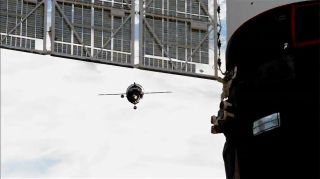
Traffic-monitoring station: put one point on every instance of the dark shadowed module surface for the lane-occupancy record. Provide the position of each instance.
(277, 55)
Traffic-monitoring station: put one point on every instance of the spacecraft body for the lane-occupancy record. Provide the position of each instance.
(270, 113)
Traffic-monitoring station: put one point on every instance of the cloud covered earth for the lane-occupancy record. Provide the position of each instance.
(54, 125)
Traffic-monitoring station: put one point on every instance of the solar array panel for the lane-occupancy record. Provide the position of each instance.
(173, 36)
(176, 36)
(22, 25)
(98, 31)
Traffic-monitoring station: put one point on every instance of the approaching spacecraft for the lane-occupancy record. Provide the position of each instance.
(135, 93)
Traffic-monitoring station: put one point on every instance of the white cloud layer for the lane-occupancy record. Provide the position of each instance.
(53, 123)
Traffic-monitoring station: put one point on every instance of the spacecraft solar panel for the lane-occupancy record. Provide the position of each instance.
(176, 37)
(22, 25)
(97, 31)
(171, 36)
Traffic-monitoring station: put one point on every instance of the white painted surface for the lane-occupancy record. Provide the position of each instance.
(240, 11)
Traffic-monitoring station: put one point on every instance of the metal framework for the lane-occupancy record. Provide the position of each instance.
(22, 25)
(173, 36)
(176, 36)
(98, 31)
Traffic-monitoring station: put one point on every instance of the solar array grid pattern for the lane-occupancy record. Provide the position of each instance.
(171, 22)
(102, 31)
(95, 25)
(23, 37)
